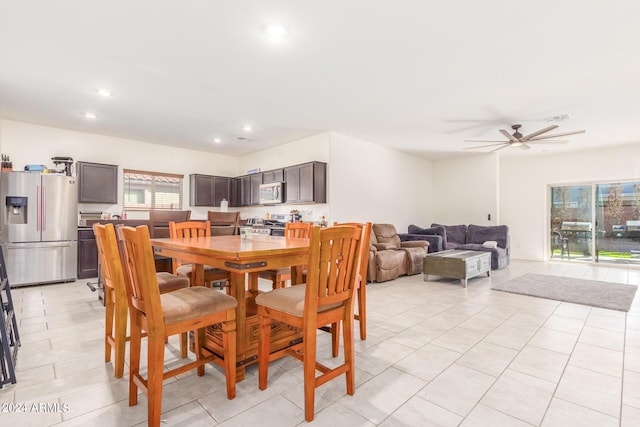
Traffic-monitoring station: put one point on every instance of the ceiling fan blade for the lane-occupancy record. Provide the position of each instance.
(545, 141)
(485, 140)
(539, 132)
(483, 146)
(558, 134)
(509, 136)
(499, 148)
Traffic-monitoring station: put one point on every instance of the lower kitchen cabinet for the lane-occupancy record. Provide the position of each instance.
(87, 254)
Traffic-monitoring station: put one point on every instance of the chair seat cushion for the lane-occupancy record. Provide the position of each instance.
(288, 300)
(168, 282)
(193, 302)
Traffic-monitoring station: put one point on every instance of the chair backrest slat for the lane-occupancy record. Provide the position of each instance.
(111, 261)
(189, 229)
(224, 223)
(297, 229)
(366, 242)
(140, 267)
(333, 265)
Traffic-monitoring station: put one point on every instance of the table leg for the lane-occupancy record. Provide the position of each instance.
(253, 283)
(464, 283)
(237, 287)
(197, 275)
(296, 274)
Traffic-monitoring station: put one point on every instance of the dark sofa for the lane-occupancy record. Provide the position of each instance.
(467, 237)
(436, 236)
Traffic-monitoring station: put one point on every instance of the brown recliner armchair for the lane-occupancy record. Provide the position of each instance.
(389, 257)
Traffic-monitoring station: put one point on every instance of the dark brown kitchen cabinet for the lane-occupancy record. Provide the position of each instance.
(87, 254)
(236, 197)
(249, 194)
(208, 190)
(306, 183)
(97, 183)
(221, 190)
(245, 190)
(256, 181)
(276, 175)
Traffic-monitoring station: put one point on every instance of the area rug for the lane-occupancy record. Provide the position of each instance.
(615, 296)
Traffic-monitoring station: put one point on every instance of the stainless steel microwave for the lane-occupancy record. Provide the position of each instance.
(271, 193)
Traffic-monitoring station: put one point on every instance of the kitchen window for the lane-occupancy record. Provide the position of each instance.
(144, 190)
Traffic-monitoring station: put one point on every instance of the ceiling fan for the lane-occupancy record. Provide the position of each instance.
(519, 140)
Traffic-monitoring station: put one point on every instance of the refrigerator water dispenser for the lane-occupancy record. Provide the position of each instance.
(16, 209)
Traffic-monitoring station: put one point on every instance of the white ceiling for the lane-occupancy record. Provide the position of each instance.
(414, 75)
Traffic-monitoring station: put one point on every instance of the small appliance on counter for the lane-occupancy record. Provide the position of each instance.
(88, 216)
(7, 165)
(67, 163)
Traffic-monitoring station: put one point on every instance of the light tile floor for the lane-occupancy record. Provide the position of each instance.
(436, 354)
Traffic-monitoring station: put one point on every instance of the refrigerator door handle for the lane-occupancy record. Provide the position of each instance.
(38, 208)
(44, 209)
(35, 245)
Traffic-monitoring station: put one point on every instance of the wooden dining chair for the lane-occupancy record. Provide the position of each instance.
(361, 293)
(161, 316)
(159, 228)
(116, 300)
(326, 299)
(279, 276)
(195, 229)
(224, 223)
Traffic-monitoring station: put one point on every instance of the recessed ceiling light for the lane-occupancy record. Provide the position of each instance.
(103, 92)
(90, 115)
(217, 140)
(247, 128)
(276, 32)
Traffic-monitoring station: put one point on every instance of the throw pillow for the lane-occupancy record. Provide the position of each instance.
(490, 244)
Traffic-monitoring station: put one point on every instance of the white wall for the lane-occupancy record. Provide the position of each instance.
(466, 191)
(33, 144)
(524, 183)
(371, 183)
(304, 150)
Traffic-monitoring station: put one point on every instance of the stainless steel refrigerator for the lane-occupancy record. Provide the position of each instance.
(39, 216)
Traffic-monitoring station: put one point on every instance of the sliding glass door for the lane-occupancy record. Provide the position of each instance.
(598, 222)
(618, 217)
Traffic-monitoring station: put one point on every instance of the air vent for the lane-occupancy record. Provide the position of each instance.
(243, 138)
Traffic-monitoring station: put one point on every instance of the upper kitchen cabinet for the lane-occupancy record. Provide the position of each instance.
(97, 183)
(208, 190)
(276, 175)
(249, 190)
(256, 181)
(306, 183)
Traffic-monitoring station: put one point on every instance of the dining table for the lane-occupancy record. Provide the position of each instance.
(243, 258)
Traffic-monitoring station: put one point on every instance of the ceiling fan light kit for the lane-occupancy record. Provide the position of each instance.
(517, 139)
